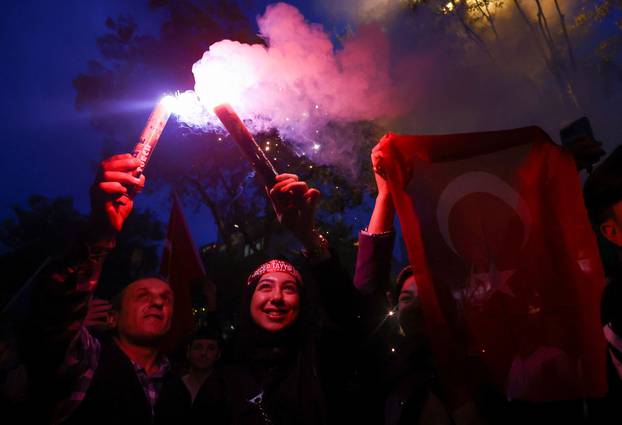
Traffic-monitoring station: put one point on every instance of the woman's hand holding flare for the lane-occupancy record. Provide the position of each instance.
(295, 203)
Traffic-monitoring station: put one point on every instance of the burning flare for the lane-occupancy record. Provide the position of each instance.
(152, 132)
(251, 150)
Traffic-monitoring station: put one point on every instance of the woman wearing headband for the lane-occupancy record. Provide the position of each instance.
(290, 354)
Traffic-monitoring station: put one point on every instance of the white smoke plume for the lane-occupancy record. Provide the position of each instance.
(297, 83)
(416, 70)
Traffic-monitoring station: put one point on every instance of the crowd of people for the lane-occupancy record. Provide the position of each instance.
(307, 349)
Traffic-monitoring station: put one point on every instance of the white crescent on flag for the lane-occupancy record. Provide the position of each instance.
(479, 182)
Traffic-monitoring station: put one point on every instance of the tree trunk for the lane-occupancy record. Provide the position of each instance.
(551, 62)
(473, 35)
(562, 20)
(241, 224)
(220, 224)
(566, 85)
(546, 32)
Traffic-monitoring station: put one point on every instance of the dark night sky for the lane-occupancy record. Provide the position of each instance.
(48, 146)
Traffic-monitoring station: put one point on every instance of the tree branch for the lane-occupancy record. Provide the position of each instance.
(566, 37)
(473, 35)
(207, 200)
(486, 14)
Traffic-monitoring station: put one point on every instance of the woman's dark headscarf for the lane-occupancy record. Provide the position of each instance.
(283, 362)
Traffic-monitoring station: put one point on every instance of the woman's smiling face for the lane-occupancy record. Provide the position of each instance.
(275, 304)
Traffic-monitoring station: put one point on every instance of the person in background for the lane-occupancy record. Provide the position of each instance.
(200, 394)
(410, 389)
(603, 198)
(202, 355)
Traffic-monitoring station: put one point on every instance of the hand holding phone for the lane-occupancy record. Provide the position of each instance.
(99, 315)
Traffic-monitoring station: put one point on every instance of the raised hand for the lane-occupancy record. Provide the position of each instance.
(113, 190)
(98, 315)
(377, 162)
(382, 216)
(295, 203)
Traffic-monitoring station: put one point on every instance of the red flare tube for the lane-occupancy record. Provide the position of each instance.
(244, 139)
(150, 136)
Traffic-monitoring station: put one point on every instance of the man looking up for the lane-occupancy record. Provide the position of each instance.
(83, 379)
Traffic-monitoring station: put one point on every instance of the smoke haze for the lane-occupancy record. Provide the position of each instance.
(498, 81)
(415, 71)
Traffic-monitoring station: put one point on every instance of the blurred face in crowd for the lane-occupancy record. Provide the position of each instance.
(276, 301)
(612, 227)
(408, 308)
(203, 353)
(145, 313)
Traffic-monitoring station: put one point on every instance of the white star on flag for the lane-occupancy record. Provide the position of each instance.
(481, 286)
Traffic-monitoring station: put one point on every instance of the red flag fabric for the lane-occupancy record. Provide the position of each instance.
(180, 265)
(505, 260)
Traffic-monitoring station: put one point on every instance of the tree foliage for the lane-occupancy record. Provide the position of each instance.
(553, 31)
(42, 222)
(594, 13)
(45, 227)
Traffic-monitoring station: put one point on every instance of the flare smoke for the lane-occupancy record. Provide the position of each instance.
(418, 70)
(299, 81)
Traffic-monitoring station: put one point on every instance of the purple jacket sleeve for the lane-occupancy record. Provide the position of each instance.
(373, 261)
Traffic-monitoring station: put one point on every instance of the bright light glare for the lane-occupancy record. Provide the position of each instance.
(185, 105)
(169, 102)
(221, 79)
(448, 8)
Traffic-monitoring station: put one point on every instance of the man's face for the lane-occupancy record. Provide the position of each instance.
(203, 353)
(408, 309)
(146, 311)
(612, 227)
(276, 301)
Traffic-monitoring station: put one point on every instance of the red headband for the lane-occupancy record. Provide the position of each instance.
(274, 266)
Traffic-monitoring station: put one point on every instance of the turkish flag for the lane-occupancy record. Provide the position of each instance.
(505, 260)
(180, 265)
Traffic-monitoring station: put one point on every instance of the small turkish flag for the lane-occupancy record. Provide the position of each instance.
(181, 265)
